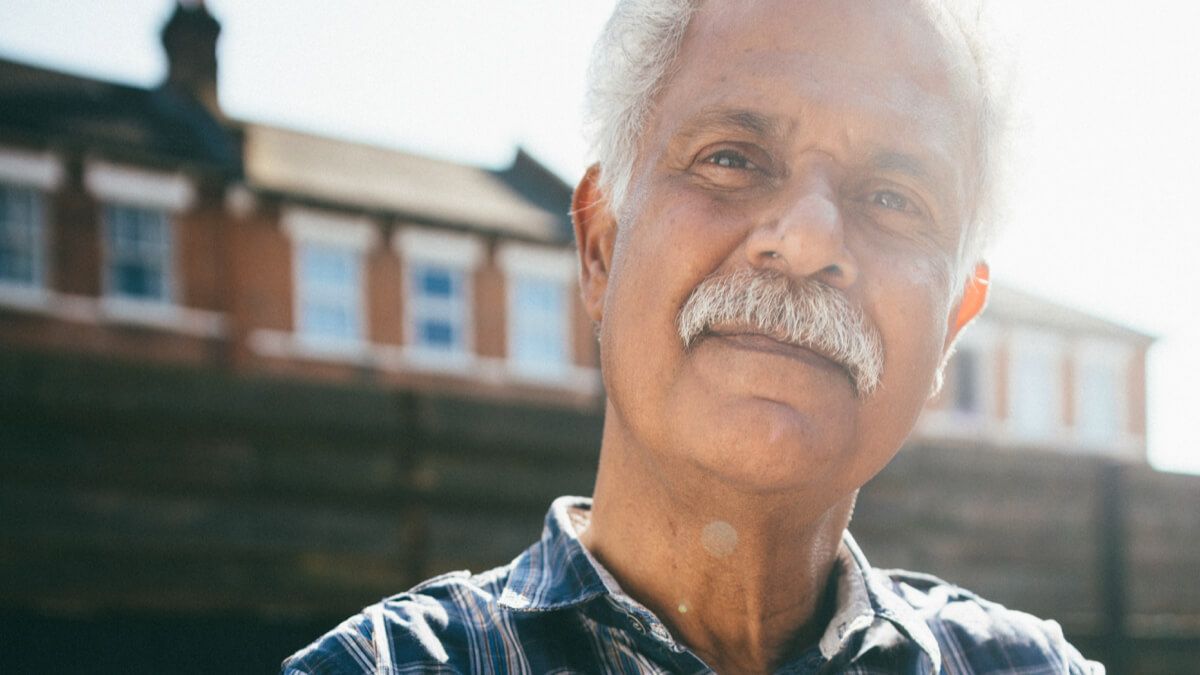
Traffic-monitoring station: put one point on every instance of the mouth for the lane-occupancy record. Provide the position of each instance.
(759, 342)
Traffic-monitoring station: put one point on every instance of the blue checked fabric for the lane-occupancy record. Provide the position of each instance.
(556, 610)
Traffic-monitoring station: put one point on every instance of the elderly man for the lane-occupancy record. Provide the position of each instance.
(779, 246)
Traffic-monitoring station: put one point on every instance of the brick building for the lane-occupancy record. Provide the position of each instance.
(142, 224)
(1033, 374)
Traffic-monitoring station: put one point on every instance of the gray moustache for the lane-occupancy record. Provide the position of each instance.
(804, 313)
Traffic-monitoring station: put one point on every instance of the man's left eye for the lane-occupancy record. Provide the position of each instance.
(891, 200)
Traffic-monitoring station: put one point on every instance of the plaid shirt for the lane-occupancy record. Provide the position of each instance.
(556, 610)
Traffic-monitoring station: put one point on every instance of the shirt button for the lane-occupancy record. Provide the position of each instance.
(637, 624)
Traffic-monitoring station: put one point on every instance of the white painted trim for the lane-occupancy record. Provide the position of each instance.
(159, 315)
(537, 261)
(403, 359)
(438, 246)
(424, 360)
(42, 170)
(283, 344)
(31, 298)
(89, 310)
(329, 227)
(139, 187)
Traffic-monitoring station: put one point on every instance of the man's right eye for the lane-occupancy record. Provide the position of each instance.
(731, 159)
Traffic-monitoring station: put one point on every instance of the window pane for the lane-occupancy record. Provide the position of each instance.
(539, 324)
(439, 334)
(966, 381)
(15, 266)
(20, 236)
(329, 292)
(438, 308)
(328, 320)
(137, 281)
(328, 266)
(437, 282)
(1099, 403)
(1034, 395)
(139, 252)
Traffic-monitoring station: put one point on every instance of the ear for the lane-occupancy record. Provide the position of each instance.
(974, 299)
(595, 234)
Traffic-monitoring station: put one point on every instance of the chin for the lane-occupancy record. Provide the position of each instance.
(763, 446)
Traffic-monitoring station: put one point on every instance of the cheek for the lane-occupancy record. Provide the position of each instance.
(673, 242)
(910, 309)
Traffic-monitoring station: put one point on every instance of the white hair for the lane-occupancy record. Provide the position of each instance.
(633, 58)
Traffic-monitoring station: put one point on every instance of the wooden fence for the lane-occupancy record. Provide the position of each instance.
(173, 520)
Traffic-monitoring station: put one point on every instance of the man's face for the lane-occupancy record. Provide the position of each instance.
(824, 140)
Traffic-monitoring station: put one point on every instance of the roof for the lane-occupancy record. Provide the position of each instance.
(364, 176)
(1009, 304)
(161, 125)
(535, 182)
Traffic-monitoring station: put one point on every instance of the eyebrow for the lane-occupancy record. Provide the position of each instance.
(741, 119)
(902, 163)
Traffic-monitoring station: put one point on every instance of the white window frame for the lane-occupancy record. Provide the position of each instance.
(37, 247)
(41, 172)
(522, 262)
(172, 192)
(1028, 342)
(122, 185)
(1097, 351)
(111, 293)
(357, 235)
(461, 252)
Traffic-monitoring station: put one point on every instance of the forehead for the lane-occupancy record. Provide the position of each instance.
(889, 64)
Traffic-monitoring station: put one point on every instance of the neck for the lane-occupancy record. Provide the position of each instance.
(741, 579)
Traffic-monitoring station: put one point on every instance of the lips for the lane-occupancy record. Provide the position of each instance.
(753, 341)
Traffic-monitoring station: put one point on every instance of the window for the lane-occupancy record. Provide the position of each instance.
(438, 307)
(1035, 386)
(328, 251)
(21, 232)
(138, 253)
(329, 291)
(965, 382)
(538, 343)
(539, 309)
(438, 298)
(1100, 392)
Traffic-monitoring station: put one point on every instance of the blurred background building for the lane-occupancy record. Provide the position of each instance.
(252, 379)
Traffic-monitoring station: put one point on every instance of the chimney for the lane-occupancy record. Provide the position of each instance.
(190, 40)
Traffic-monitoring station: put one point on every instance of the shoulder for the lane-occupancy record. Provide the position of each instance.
(976, 635)
(421, 630)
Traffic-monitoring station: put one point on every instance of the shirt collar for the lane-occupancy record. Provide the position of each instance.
(863, 600)
(558, 572)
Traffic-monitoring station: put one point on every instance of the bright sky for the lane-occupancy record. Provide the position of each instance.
(1104, 210)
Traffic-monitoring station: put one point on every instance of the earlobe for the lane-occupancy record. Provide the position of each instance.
(595, 232)
(974, 299)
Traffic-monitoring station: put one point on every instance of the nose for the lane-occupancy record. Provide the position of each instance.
(804, 235)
